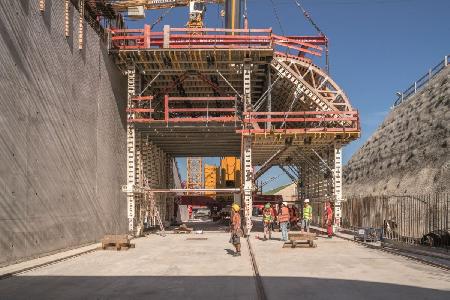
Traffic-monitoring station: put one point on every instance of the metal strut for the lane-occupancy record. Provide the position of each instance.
(247, 152)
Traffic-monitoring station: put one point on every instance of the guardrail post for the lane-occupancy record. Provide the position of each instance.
(166, 41)
(166, 109)
(146, 36)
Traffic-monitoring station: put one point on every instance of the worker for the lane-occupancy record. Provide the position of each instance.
(190, 211)
(283, 218)
(273, 212)
(307, 215)
(236, 231)
(267, 221)
(293, 217)
(329, 219)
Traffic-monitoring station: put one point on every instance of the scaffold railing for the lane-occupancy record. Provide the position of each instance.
(214, 38)
(224, 109)
(303, 121)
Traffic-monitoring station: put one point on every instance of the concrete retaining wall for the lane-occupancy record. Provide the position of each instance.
(62, 134)
(410, 151)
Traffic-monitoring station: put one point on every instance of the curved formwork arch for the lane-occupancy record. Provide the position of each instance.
(308, 83)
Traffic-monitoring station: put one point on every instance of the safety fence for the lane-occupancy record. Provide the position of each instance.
(419, 84)
(411, 219)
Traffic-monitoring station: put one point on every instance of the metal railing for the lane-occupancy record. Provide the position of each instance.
(213, 38)
(415, 220)
(419, 84)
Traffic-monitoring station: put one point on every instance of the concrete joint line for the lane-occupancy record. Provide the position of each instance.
(11, 274)
(260, 292)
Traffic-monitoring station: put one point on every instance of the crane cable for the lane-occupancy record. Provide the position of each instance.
(275, 12)
(309, 18)
(161, 17)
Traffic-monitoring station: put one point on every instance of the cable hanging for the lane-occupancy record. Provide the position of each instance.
(161, 17)
(275, 12)
(309, 18)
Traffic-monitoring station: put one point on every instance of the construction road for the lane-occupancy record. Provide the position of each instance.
(173, 267)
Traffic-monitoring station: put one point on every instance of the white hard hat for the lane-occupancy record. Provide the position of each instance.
(306, 200)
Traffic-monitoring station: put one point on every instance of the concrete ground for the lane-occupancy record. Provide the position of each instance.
(173, 267)
(342, 269)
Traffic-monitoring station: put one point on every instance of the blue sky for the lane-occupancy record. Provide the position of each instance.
(377, 47)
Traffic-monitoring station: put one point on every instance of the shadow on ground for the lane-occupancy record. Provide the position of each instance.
(214, 287)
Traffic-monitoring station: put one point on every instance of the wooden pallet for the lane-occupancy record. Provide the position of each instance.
(183, 229)
(300, 238)
(177, 231)
(118, 242)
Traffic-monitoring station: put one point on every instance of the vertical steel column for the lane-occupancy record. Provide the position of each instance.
(247, 152)
(337, 185)
(131, 161)
(269, 97)
(166, 37)
(81, 25)
(133, 151)
(66, 18)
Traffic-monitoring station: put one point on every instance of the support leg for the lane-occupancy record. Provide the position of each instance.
(132, 153)
(248, 183)
(247, 153)
(81, 25)
(337, 185)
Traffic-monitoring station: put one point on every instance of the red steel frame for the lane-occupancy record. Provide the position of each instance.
(168, 110)
(214, 38)
(141, 99)
(337, 121)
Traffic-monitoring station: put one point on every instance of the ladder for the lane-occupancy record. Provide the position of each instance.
(156, 213)
(161, 226)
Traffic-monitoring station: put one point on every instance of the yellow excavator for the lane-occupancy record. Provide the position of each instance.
(197, 8)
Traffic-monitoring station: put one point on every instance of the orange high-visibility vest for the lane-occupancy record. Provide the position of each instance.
(284, 216)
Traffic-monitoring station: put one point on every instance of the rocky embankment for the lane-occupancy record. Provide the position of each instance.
(410, 151)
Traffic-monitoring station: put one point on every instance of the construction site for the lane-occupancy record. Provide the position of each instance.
(120, 131)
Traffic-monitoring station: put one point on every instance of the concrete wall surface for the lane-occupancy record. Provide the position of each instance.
(410, 151)
(62, 134)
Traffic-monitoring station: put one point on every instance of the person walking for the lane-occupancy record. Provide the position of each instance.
(329, 219)
(236, 231)
(273, 212)
(307, 215)
(283, 218)
(267, 221)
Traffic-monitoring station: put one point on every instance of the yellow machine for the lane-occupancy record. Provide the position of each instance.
(228, 174)
(211, 178)
(230, 170)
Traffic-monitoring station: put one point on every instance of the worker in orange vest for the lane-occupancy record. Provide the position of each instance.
(329, 219)
(283, 218)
